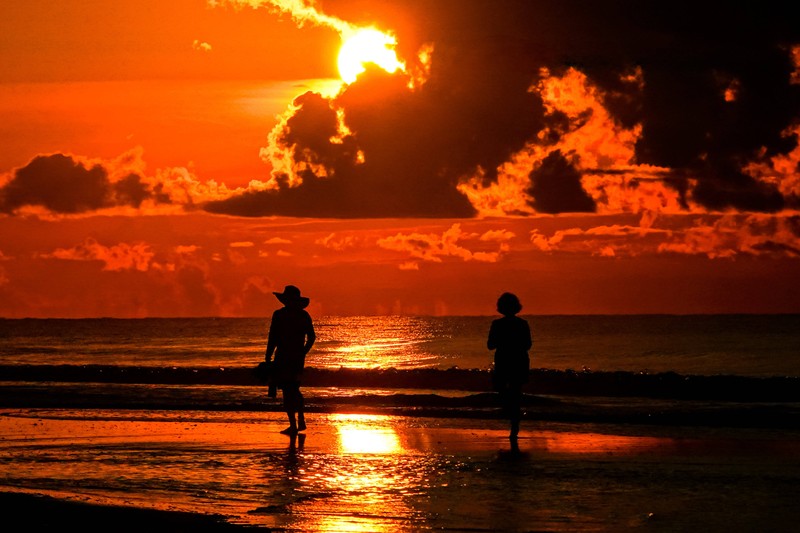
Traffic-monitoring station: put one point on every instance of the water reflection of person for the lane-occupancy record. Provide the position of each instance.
(510, 337)
(291, 336)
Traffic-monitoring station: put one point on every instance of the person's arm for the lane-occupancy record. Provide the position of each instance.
(311, 337)
(272, 341)
(491, 342)
(269, 352)
(528, 338)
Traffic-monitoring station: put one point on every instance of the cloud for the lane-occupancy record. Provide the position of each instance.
(605, 240)
(714, 236)
(511, 108)
(499, 235)
(388, 168)
(339, 243)
(516, 108)
(254, 298)
(197, 294)
(64, 185)
(115, 258)
(186, 249)
(432, 247)
(556, 187)
(731, 236)
(68, 185)
(781, 171)
(302, 12)
(201, 46)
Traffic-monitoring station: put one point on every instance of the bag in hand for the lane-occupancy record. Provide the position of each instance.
(262, 372)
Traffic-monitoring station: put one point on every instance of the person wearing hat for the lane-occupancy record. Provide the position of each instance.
(291, 336)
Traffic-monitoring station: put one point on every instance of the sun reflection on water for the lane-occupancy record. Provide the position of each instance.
(368, 480)
(374, 342)
(362, 434)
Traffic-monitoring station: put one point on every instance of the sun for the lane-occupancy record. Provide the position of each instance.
(367, 46)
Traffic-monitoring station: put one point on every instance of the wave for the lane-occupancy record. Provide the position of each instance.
(667, 385)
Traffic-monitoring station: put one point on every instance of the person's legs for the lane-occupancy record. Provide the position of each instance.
(514, 409)
(511, 398)
(290, 404)
(292, 429)
(301, 417)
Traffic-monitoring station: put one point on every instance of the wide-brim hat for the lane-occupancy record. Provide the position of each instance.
(291, 296)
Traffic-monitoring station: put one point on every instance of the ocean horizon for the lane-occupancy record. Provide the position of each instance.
(729, 344)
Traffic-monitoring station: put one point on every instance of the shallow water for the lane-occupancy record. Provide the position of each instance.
(384, 473)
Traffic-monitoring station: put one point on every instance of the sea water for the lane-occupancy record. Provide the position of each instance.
(738, 345)
(602, 464)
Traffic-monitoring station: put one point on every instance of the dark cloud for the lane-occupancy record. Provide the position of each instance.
(410, 167)
(63, 185)
(723, 187)
(556, 187)
(130, 191)
(712, 90)
(57, 183)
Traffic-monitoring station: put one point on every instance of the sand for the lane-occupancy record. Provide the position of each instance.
(213, 471)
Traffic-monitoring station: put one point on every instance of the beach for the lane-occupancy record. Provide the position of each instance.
(644, 423)
(365, 472)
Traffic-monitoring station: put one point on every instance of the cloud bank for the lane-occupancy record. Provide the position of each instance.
(63, 184)
(518, 107)
(505, 108)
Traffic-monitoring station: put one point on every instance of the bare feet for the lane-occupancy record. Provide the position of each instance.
(291, 430)
(301, 424)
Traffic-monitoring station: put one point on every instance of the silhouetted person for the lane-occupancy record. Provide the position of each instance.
(291, 336)
(510, 337)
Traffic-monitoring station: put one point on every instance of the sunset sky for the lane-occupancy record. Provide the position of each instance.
(189, 157)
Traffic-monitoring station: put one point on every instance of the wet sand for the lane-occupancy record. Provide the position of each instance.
(209, 471)
(31, 512)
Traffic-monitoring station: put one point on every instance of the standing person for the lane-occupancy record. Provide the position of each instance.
(291, 336)
(510, 337)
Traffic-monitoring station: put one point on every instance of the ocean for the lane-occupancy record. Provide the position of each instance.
(707, 345)
(665, 423)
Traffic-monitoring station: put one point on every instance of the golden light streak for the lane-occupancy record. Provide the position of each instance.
(360, 46)
(301, 11)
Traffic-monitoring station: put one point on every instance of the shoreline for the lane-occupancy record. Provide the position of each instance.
(663, 385)
(425, 404)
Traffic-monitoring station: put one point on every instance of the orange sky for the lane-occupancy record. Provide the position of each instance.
(157, 162)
